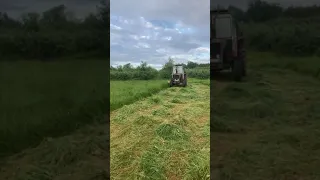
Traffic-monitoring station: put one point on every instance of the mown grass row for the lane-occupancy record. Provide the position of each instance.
(179, 147)
(270, 118)
(165, 136)
(40, 100)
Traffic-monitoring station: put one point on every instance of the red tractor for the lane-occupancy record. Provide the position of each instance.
(178, 76)
(226, 45)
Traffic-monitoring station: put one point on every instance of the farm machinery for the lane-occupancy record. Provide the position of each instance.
(178, 76)
(226, 44)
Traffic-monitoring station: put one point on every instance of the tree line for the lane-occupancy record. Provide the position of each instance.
(289, 31)
(55, 33)
(146, 72)
(262, 11)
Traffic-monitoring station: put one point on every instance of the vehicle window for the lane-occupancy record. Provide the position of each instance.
(222, 27)
(177, 69)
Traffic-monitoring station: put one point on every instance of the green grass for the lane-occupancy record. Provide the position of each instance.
(150, 138)
(303, 65)
(267, 126)
(83, 155)
(40, 100)
(164, 136)
(126, 92)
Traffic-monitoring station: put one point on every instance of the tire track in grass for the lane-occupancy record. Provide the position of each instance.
(165, 136)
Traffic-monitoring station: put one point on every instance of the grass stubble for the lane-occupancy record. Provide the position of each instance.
(267, 127)
(150, 138)
(263, 128)
(165, 136)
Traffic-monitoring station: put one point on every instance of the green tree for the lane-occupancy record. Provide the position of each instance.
(166, 70)
(191, 65)
(237, 13)
(127, 67)
(261, 11)
(30, 21)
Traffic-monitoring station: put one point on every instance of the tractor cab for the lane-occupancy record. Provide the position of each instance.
(178, 77)
(226, 43)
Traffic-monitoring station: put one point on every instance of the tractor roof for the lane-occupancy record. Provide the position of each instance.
(220, 11)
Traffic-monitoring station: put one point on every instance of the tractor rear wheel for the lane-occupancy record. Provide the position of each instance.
(242, 56)
(185, 82)
(237, 69)
(171, 83)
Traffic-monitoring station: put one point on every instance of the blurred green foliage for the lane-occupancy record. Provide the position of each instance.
(288, 31)
(55, 33)
(145, 72)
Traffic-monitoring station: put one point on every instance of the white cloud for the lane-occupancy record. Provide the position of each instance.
(142, 45)
(153, 31)
(114, 27)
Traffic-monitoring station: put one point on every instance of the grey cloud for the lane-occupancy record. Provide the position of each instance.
(17, 7)
(178, 41)
(244, 3)
(189, 16)
(5, 5)
(148, 54)
(184, 46)
(190, 12)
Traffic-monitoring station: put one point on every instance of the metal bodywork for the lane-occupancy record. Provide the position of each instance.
(179, 76)
(226, 43)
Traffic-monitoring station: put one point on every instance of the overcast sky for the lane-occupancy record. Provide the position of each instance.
(16, 7)
(153, 30)
(244, 3)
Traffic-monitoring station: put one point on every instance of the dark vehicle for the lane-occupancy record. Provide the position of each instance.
(178, 77)
(226, 45)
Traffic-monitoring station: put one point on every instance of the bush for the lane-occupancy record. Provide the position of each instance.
(145, 72)
(52, 34)
(289, 31)
(199, 73)
(295, 37)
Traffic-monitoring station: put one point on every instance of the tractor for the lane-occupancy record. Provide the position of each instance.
(226, 44)
(178, 76)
